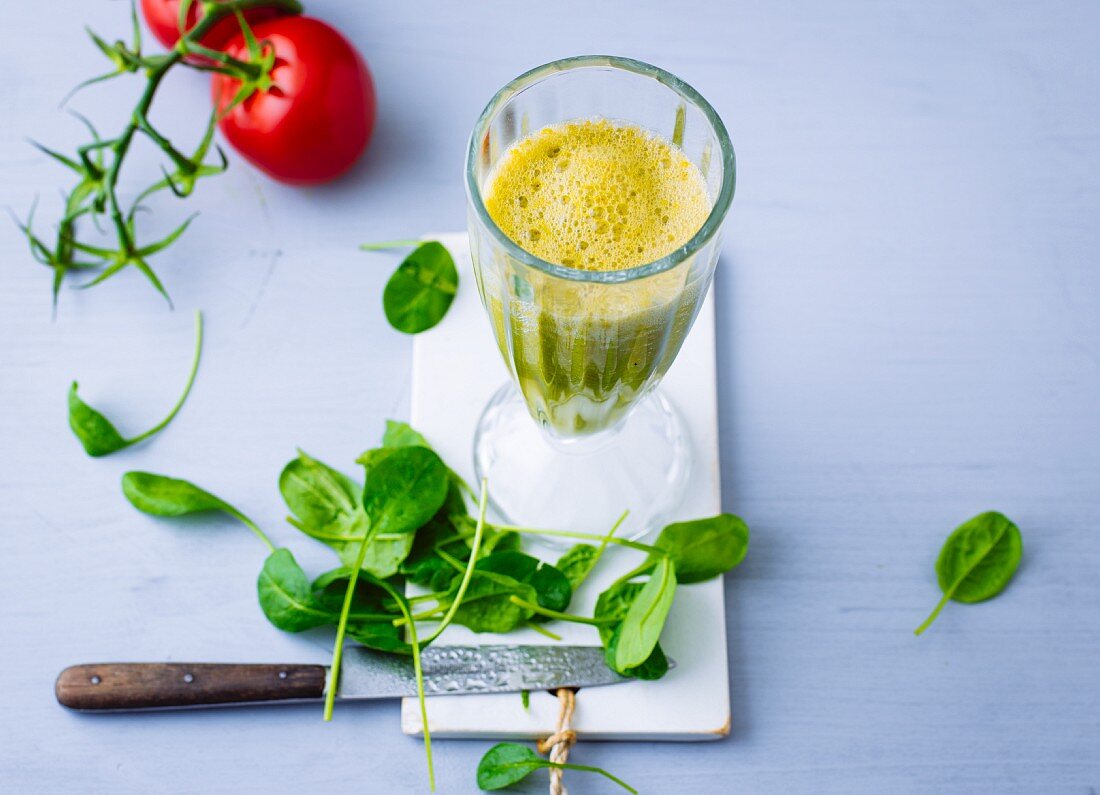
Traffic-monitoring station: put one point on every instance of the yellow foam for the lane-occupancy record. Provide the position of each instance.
(597, 195)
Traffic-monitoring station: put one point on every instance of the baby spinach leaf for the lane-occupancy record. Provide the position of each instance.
(644, 620)
(379, 635)
(325, 502)
(654, 667)
(401, 434)
(94, 431)
(383, 556)
(443, 532)
(977, 561)
(160, 495)
(326, 506)
(432, 573)
(577, 562)
(552, 589)
(613, 604)
(487, 607)
(286, 597)
(405, 490)
(368, 601)
(421, 290)
(506, 764)
(703, 548)
(99, 436)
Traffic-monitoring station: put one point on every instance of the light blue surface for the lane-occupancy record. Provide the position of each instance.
(909, 308)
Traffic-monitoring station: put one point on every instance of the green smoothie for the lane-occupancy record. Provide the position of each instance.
(592, 195)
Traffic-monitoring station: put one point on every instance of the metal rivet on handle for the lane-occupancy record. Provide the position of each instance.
(282, 674)
(188, 678)
(95, 680)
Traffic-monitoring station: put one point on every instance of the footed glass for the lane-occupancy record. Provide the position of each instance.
(580, 434)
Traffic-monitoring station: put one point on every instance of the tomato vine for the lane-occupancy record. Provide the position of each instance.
(98, 162)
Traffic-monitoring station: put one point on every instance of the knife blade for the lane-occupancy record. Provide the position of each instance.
(366, 674)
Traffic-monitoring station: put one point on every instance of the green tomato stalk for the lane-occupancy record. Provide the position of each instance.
(98, 163)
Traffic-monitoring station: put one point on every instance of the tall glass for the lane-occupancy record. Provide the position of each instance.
(586, 348)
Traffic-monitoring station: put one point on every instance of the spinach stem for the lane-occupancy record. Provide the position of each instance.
(469, 573)
(429, 613)
(454, 562)
(388, 244)
(418, 672)
(544, 611)
(425, 596)
(186, 390)
(928, 621)
(630, 575)
(609, 537)
(543, 630)
(583, 536)
(590, 769)
(341, 629)
(251, 526)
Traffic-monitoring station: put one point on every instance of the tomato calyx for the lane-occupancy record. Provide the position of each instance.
(253, 72)
(255, 79)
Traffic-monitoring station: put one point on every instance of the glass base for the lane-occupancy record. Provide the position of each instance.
(584, 484)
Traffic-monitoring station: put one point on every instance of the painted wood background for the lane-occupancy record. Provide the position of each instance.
(909, 324)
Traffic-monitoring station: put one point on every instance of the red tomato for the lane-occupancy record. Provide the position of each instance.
(314, 121)
(163, 18)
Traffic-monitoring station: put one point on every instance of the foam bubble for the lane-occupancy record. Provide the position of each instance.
(597, 195)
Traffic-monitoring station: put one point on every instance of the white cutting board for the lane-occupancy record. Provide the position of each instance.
(456, 369)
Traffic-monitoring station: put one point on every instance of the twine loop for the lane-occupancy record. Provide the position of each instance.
(559, 743)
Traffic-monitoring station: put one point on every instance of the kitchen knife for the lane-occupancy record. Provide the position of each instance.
(365, 674)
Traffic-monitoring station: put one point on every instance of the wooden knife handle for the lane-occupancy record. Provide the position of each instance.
(126, 686)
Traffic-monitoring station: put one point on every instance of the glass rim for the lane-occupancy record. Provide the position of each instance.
(703, 236)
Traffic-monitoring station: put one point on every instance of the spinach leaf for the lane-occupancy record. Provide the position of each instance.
(160, 495)
(703, 548)
(99, 436)
(325, 502)
(423, 565)
(577, 563)
(977, 561)
(421, 290)
(286, 597)
(432, 573)
(405, 490)
(487, 606)
(552, 589)
(644, 620)
(368, 621)
(401, 434)
(654, 667)
(326, 506)
(379, 635)
(383, 556)
(368, 602)
(613, 605)
(506, 764)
